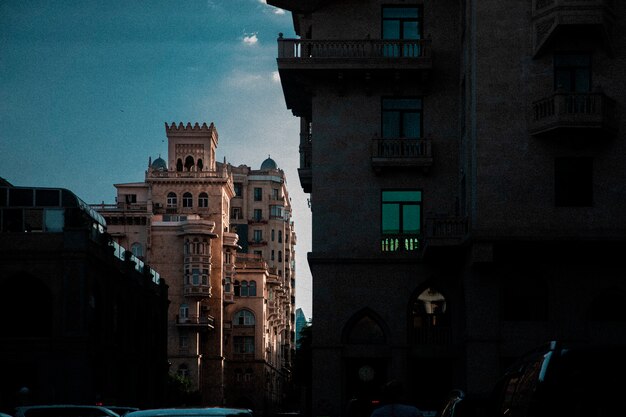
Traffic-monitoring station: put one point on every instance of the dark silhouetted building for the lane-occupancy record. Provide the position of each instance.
(465, 162)
(81, 320)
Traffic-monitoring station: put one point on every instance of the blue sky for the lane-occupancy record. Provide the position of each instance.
(86, 87)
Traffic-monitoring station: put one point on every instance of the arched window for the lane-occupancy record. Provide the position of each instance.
(179, 165)
(243, 318)
(172, 201)
(183, 370)
(200, 164)
(187, 249)
(227, 287)
(244, 288)
(280, 255)
(187, 200)
(364, 328)
(189, 163)
(237, 287)
(137, 249)
(429, 322)
(203, 200)
(252, 288)
(280, 236)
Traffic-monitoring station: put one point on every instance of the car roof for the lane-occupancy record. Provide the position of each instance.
(21, 410)
(179, 412)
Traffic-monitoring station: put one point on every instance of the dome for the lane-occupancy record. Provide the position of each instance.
(159, 164)
(269, 163)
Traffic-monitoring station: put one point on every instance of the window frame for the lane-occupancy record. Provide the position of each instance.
(402, 112)
(171, 200)
(572, 69)
(187, 200)
(203, 200)
(420, 205)
(419, 19)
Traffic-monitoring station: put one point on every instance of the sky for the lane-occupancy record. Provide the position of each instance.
(86, 87)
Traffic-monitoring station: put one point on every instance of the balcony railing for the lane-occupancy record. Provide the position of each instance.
(201, 291)
(438, 231)
(401, 152)
(441, 335)
(381, 49)
(196, 321)
(564, 110)
(450, 227)
(400, 243)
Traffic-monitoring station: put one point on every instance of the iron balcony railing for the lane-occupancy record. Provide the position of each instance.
(437, 230)
(566, 109)
(401, 148)
(195, 320)
(354, 49)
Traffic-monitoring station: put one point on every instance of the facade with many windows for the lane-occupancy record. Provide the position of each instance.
(484, 211)
(179, 220)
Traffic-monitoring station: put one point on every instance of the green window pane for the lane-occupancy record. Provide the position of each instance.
(402, 103)
(412, 125)
(400, 196)
(410, 30)
(411, 219)
(391, 124)
(391, 29)
(400, 12)
(391, 219)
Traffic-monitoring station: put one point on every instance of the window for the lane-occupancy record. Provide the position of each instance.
(183, 341)
(276, 212)
(183, 311)
(402, 23)
(258, 236)
(401, 118)
(258, 194)
(187, 200)
(243, 318)
(252, 289)
(183, 370)
(237, 213)
(573, 182)
(273, 233)
(401, 220)
(272, 255)
(136, 249)
(189, 163)
(280, 236)
(130, 198)
(227, 288)
(280, 256)
(238, 189)
(572, 72)
(171, 200)
(258, 215)
(274, 193)
(244, 289)
(243, 344)
(195, 276)
(237, 288)
(203, 200)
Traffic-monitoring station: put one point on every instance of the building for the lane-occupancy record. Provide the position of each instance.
(264, 287)
(467, 185)
(179, 220)
(82, 320)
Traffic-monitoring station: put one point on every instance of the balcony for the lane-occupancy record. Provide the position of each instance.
(401, 153)
(304, 172)
(445, 230)
(229, 298)
(563, 112)
(257, 242)
(197, 322)
(257, 221)
(552, 17)
(372, 54)
(400, 243)
(302, 60)
(197, 291)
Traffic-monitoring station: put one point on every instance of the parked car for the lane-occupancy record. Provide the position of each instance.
(192, 412)
(64, 411)
(120, 410)
(558, 380)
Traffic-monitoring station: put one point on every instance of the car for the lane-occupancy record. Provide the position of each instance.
(63, 411)
(192, 412)
(561, 380)
(120, 410)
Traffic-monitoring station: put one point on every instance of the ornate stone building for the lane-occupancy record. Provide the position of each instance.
(179, 220)
(466, 168)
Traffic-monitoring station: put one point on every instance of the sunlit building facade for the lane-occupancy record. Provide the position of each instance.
(179, 220)
(465, 166)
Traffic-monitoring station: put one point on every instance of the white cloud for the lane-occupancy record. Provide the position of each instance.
(276, 77)
(250, 38)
